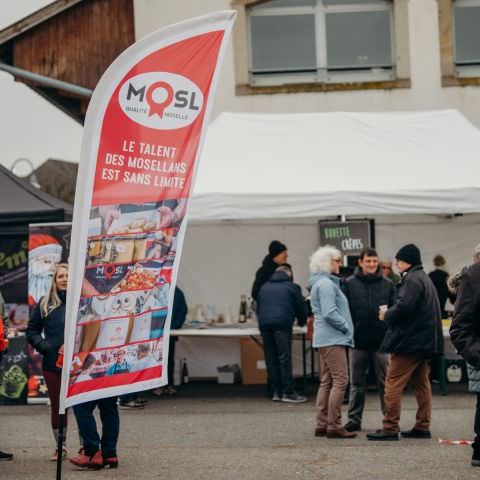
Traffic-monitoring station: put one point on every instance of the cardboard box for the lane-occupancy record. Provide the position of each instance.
(254, 370)
(229, 374)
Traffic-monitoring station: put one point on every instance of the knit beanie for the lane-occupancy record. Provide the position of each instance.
(276, 248)
(410, 254)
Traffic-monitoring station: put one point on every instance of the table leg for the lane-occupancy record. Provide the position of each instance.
(443, 374)
(304, 362)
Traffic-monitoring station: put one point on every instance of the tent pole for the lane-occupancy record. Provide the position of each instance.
(343, 219)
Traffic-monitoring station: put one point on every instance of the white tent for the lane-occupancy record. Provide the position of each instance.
(266, 177)
(304, 165)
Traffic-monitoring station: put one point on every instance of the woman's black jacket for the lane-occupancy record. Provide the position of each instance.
(52, 326)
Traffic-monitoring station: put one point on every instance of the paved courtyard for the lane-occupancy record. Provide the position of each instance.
(213, 432)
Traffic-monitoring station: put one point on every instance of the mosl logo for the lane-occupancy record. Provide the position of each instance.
(161, 100)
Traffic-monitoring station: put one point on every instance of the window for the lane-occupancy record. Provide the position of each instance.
(329, 41)
(466, 34)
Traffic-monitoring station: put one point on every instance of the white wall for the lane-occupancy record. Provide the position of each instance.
(426, 91)
(219, 260)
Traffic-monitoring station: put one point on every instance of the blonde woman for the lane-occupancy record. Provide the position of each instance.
(45, 334)
(332, 335)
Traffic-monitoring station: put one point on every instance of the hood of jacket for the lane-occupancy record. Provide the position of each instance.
(314, 277)
(279, 277)
(268, 262)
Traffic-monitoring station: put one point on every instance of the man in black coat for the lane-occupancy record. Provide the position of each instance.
(277, 255)
(465, 333)
(366, 290)
(439, 277)
(414, 334)
(280, 301)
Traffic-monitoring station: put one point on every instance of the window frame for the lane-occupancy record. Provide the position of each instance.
(323, 74)
(241, 46)
(451, 75)
(463, 71)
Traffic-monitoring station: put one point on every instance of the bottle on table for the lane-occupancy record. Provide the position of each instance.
(185, 378)
(250, 310)
(242, 317)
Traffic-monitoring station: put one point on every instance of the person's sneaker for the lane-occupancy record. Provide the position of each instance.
(293, 398)
(476, 452)
(352, 427)
(84, 461)
(380, 435)
(414, 433)
(5, 457)
(276, 397)
(320, 432)
(170, 390)
(54, 457)
(131, 405)
(340, 433)
(110, 462)
(141, 401)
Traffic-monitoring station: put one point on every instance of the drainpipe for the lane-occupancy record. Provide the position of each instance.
(47, 81)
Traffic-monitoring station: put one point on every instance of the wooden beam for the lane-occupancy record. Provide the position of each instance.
(36, 18)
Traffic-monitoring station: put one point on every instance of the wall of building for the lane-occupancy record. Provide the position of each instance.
(426, 91)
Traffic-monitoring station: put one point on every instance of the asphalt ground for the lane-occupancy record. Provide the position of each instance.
(213, 432)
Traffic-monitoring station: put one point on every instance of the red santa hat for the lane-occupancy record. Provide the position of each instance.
(41, 243)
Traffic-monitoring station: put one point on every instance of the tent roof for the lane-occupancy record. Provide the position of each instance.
(23, 203)
(319, 164)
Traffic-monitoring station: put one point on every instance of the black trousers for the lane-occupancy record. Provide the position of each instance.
(171, 360)
(277, 346)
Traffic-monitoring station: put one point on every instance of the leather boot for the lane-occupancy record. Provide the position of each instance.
(340, 433)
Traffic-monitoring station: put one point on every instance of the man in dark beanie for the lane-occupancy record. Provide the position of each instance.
(277, 255)
(414, 335)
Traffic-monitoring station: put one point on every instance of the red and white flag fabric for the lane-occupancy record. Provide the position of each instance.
(143, 136)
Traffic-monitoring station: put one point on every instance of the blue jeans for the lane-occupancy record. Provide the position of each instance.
(88, 427)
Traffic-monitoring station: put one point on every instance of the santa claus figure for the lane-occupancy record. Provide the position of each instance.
(44, 252)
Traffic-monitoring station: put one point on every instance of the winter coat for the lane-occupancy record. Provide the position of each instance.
(332, 321)
(473, 379)
(465, 329)
(52, 326)
(365, 293)
(439, 278)
(279, 302)
(263, 275)
(179, 310)
(414, 322)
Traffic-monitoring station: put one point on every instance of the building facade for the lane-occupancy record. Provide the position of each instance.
(348, 55)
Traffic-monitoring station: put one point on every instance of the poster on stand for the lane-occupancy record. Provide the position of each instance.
(48, 245)
(13, 286)
(13, 372)
(143, 135)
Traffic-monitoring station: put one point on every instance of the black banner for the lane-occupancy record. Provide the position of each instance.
(349, 237)
(13, 268)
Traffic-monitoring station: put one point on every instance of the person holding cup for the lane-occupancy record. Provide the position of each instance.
(413, 336)
(368, 293)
